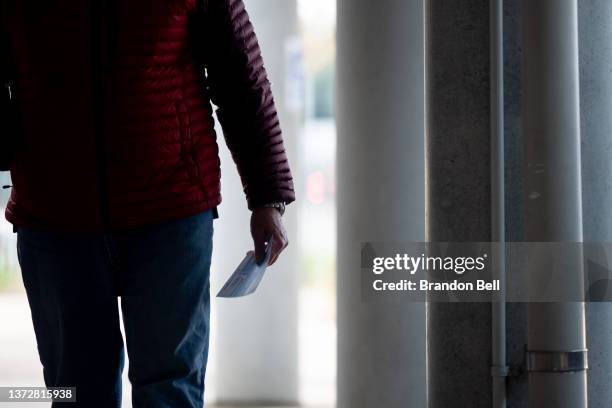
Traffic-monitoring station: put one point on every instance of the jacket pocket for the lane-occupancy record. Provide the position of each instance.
(188, 148)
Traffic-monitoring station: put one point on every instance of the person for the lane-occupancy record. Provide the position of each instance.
(116, 186)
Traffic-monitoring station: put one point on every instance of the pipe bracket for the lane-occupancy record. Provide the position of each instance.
(500, 371)
(557, 361)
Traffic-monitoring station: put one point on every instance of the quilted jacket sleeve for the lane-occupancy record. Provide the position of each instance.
(239, 86)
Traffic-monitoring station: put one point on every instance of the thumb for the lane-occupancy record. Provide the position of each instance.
(260, 248)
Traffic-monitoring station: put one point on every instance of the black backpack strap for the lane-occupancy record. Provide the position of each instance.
(4, 45)
(202, 6)
(7, 60)
(200, 38)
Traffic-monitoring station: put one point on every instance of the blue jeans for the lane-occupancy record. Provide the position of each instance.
(161, 273)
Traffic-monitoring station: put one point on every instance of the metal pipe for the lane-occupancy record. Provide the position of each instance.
(499, 369)
(552, 194)
(595, 24)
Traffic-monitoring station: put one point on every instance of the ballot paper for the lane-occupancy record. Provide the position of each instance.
(247, 275)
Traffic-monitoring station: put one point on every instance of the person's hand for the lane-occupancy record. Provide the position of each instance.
(267, 224)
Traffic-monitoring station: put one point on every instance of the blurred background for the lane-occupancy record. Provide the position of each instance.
(278, 346)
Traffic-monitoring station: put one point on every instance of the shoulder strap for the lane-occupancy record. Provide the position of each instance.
(200, 34)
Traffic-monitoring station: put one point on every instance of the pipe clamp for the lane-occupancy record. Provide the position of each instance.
(557, 361)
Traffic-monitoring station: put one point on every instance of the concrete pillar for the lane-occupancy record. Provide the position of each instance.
(595, 24)
(458, 192)
(552, 193)
(381, 346)
(255, 338)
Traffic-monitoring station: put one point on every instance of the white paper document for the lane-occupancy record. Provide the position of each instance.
(247, 276)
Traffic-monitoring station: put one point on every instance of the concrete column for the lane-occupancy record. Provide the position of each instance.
(381, 346)
(458, 192)
(255, 338)
(552, 194)
(595, 24)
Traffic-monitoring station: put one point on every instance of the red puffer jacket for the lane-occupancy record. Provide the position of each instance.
(118, 121)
